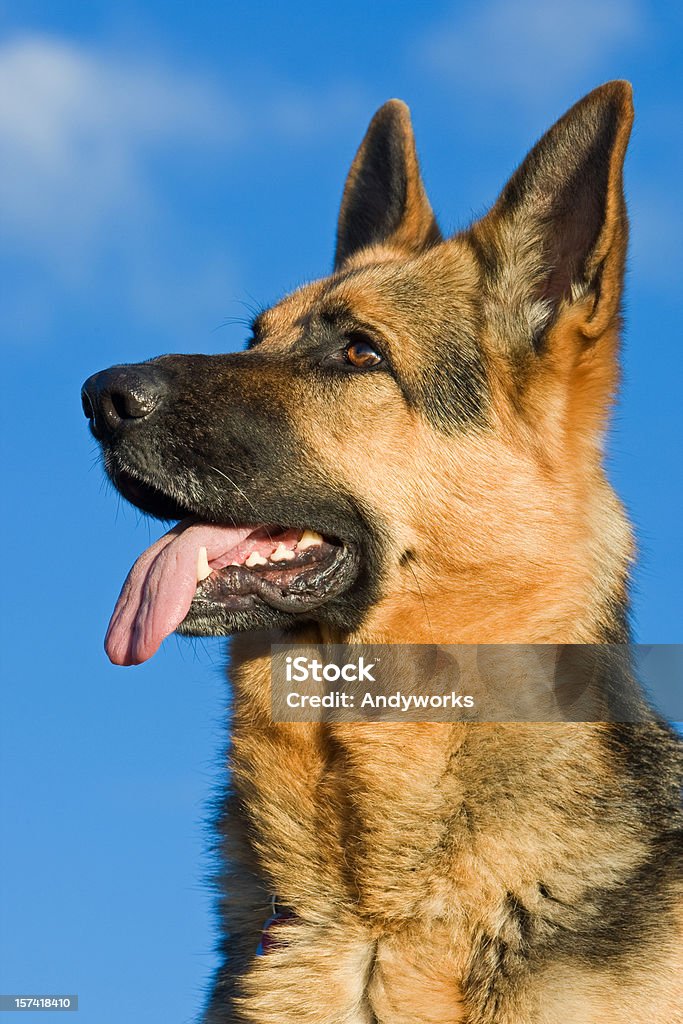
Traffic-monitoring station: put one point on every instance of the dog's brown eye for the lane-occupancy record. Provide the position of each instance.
(361, 353)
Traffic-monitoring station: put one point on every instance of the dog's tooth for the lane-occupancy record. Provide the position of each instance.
(282, 554)
(255, 559)
(203, 567)
(309, 539)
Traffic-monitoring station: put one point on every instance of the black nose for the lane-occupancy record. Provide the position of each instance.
(115, 398)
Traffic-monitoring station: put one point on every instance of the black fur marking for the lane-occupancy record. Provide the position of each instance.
(453, 391)
(375, 205)
(617, 627)
(520, 925)
(651, 755)
(611, 923)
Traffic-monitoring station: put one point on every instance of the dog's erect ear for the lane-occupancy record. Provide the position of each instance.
(557, 235)
(384, 199)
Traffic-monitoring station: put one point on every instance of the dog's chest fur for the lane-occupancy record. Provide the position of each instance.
(427, 849)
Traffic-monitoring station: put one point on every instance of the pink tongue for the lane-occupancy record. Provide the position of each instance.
(159, 588)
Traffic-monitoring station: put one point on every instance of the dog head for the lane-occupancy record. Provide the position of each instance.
(411, 446)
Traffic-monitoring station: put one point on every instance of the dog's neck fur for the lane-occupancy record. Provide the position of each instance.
(570, 588)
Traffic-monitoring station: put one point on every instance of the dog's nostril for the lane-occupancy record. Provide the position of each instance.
(134, 402)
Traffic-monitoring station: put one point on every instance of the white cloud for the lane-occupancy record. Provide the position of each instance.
(526, 49)
(76, 132)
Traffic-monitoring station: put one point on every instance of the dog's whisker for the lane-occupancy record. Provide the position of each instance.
(233, 321)
(424, 603)
(259, 518)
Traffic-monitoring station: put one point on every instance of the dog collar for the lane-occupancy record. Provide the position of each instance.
(281, 915)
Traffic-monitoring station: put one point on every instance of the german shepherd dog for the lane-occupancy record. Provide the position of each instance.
(410, 451)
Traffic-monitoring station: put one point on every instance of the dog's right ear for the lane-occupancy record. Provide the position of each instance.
(384, 199)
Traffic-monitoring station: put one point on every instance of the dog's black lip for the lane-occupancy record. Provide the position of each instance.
(313, 587)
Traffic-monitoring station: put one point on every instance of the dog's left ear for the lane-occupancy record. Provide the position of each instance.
(556, 238)
(384, 199)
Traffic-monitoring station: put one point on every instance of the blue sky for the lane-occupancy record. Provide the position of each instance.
(165, 168)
